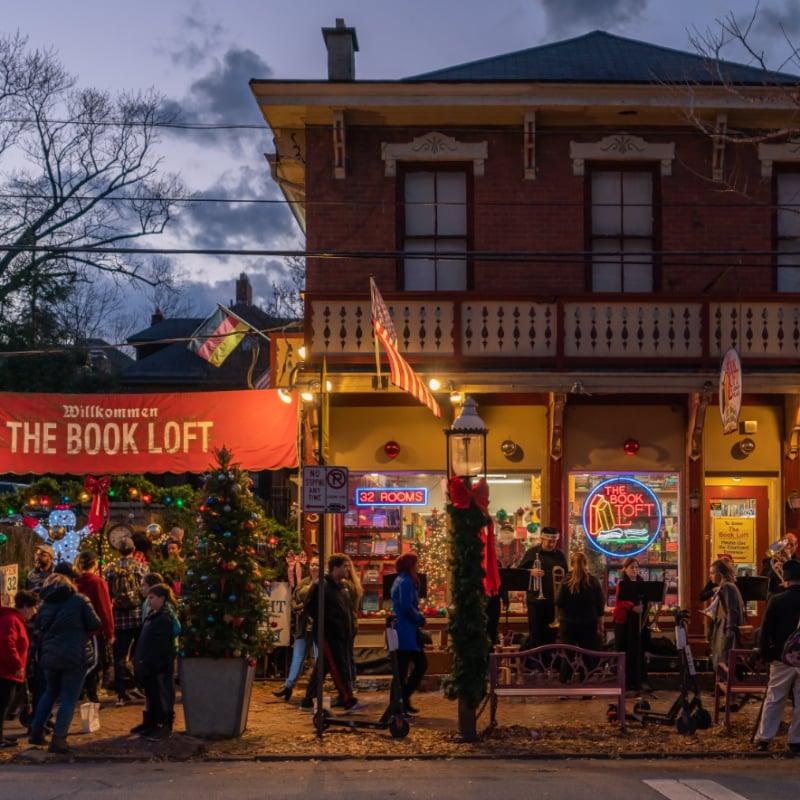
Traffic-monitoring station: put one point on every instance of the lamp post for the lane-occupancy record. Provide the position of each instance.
(467, 508)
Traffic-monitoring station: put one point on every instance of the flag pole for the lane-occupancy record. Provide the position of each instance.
(243, 321)
(379, 382)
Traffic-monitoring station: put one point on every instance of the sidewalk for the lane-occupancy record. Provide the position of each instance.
(527, 727)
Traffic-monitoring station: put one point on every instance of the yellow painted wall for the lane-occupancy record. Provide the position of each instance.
(595, 436)
(719, 450)
(359, 434)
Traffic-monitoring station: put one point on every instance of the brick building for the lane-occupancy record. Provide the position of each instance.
(569, 235)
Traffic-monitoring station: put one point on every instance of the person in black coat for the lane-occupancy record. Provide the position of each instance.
(542, 611)
(154, 660)
(65, 623)
(780, 621)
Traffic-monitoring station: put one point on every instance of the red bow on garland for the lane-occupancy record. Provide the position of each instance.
(461, 496)
(98, 512)
(295, 574)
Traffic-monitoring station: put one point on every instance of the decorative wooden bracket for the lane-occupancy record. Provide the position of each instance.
(791, 410)
(556, 407)
(529, 149)
(339, 150)
(698, 403)
(718, 148)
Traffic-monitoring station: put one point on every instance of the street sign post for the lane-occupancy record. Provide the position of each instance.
(326, 490)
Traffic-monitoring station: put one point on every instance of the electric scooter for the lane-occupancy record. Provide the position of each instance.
(393, 717)
(686, 713)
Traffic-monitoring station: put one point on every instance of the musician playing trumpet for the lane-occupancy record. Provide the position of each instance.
(772, 566)
(540, 599)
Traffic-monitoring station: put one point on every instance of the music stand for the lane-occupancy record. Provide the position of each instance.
(513, 580)
(644, 592)
(753, 587)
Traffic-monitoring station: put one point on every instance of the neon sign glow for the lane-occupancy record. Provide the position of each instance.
(621, 517)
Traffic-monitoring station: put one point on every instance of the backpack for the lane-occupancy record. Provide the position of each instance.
(124, 588)
(791, 650)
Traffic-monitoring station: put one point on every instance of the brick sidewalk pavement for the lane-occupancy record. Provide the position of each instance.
(526, 728)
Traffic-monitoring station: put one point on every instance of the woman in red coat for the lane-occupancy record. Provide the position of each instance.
(14, 650)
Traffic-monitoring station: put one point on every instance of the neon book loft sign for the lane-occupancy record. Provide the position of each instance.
(621, 517)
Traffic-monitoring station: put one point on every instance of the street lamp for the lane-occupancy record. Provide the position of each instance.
(466, 443)
(467, 509)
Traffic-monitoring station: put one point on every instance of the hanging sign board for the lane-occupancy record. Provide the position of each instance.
(730, 391)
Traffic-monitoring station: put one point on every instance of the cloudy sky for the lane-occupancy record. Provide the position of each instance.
(200, 54)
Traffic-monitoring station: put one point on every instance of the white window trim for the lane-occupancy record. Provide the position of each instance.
(770, 153)
(621, 147)
(434, 147)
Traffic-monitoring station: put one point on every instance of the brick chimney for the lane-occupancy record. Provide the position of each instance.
(342, 45)
(244, 291)
(157, 317)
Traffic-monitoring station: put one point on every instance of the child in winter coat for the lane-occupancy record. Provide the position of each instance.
(14, 651)
(154, 660)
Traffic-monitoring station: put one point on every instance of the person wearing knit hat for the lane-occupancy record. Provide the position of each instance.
(43, 558)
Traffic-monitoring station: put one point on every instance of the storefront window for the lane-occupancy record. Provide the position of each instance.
(395, 513)
(616, 515)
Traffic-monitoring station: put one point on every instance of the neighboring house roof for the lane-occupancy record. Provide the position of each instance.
(166, 363)
(600, 57)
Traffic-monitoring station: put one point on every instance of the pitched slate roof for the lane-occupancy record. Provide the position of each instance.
(600, 57)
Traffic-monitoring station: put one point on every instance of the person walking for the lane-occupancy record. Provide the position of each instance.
(338, 631)
(542, 604)
(90, 584)
(407, 622)
(14, 645)
(124, 578)
(780, 620)
(66, 621)
(154, 660)
(303, 630)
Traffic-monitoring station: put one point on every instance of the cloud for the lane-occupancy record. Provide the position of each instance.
(772, 22)
(580, 15)
(230, 224)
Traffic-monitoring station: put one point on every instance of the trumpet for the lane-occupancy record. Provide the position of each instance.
(535, 583)
(777, 555)
(558, 579)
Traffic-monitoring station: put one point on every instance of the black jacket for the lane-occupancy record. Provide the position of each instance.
(780, 619)
(549, 559)
(338, 610)
(155, 651)
(585, 607)
(65, 622)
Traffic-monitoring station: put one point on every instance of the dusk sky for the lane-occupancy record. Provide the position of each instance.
(200, 54)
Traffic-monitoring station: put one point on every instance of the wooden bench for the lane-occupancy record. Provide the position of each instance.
(557, 670)
(743, 674)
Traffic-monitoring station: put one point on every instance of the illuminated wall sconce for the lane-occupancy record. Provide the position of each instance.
(392, 449)
(434, 384)
(694, 500)
(285, 395)
(631, 447)
(455, 396)
(310, 392)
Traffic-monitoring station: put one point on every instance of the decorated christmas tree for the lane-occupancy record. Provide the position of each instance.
(226, 611)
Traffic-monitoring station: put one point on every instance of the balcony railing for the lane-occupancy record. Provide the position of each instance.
(560, 332)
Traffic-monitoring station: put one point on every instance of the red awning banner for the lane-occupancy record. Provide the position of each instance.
(130, 433)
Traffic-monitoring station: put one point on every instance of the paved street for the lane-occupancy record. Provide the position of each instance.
(356, 779)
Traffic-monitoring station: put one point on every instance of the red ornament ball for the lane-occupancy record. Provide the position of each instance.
(392, 449)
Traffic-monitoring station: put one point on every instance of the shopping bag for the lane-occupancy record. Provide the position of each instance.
(90, 717)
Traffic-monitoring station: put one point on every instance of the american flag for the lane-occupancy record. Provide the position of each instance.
(402, 375)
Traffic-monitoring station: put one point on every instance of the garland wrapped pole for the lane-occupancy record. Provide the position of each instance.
(467, 508)
(467, 630)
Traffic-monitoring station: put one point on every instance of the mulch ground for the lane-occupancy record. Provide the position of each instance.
(527, 727)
